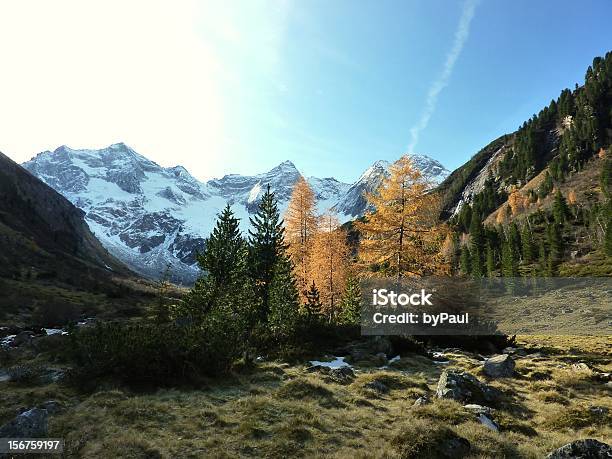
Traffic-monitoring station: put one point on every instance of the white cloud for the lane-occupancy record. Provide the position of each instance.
(157, 75)
(461, 35)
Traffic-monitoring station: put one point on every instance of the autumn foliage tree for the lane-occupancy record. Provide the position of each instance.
(517, 202)
(329, 264)
(300, 228)
(401, 236)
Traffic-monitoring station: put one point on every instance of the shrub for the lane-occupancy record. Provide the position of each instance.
(26, 373)
(424, 438)
(54, 313)
(156, 354)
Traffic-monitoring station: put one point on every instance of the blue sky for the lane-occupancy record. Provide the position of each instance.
(331, 85)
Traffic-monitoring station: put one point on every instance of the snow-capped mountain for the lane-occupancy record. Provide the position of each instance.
(353, 203)
(149, 216)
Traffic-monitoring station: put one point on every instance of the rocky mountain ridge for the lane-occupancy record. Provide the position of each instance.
(150, 217)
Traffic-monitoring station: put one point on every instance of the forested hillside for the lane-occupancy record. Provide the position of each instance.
(537, 201)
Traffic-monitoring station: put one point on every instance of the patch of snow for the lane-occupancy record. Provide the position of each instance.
(254, 193)
(7, 340)
(338, 362)
(55, 331)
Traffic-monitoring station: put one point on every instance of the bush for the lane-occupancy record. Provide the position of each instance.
(54, 313)
(25, 374)
(424, 438)
(155, 354)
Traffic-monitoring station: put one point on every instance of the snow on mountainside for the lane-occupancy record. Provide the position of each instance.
(149, 216)
(353, 203)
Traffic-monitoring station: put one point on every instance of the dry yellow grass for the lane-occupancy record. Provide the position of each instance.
(283, 411)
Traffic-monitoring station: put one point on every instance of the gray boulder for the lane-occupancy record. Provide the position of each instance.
(588, 448)
(499, 366)
(343, 375)
(488, 422)
(29, 424)
(464, 387)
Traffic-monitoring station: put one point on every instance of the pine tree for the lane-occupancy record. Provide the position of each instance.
(514, 240)
(350, 311)
(267, 248)
(608, 239)
(300, 229)
(607, 215)
(542, 257)
(224, 256)
(283, 301)
(509, 260)
(329, 263)
(490, 260)
(224, 296)
(555, 242)
(560, 208)
(313, 304)
(527, 244)
(223, 262)
(465, 261)
(477, 245)
(401, 235)
(606, 177)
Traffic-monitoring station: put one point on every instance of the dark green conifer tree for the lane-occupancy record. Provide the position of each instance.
(283, 301)
(560, 209)
(477, 246)
(514, 239)
(351, 302)
(223, 262)
(606, 177)
(555, 254)
(509, 260)
(490, 261)
(267, 248)
(313, 304)
(527, 244)
(607, 217)
(465, 261)
(542, 258)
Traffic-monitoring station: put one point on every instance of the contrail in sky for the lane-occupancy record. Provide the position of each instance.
(461, 36)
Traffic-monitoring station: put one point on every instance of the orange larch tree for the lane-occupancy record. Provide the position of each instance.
(300, 228)
(402, 235)
(330, 264)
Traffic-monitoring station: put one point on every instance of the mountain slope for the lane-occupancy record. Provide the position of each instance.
(149, 216)
(560, 139)
(541, 190)
(41, 229)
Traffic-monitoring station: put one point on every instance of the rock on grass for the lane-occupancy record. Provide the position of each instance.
(29, 424)
(583, 449)
(499, 366)
(464, 387)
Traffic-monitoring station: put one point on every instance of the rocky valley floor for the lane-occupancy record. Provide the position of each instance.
(559, 392)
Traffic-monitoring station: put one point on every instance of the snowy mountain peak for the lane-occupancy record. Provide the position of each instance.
(148, 216)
